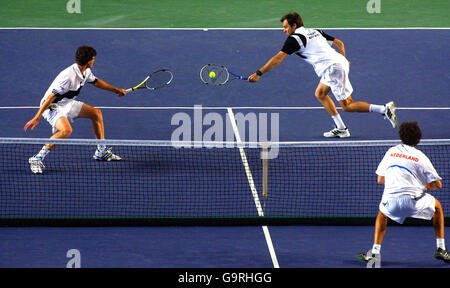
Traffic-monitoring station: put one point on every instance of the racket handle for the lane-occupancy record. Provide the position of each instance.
(129, 90)
(238, 76)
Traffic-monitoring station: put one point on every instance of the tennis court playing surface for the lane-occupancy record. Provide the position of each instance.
(155, 183)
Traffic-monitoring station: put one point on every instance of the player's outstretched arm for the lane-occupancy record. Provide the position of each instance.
(272, 63)
(105, 86)
(33, 122)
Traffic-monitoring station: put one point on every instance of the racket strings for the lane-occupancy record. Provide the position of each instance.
(159, 79)
(220, 74)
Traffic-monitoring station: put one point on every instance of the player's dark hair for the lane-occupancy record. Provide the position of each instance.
(293, 17)
(84, 54)
(410, 133)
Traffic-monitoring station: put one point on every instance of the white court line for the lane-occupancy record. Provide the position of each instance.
(218, 28)
(221, 108)
(253, 188)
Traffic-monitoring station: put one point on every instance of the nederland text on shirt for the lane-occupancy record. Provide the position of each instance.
(399, 155)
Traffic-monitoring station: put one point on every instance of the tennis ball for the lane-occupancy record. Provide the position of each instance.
(212, 75)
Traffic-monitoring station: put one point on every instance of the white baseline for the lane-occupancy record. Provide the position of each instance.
(220, 108)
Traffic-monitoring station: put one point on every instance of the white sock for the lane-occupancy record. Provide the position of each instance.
(42, 153)
(376, 248)
(101, 147)
(377, 108)
(338, 121)
(440, 242)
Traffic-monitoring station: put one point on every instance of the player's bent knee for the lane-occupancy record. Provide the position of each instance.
(347, 108)
(98, 115)
(320, 96)
(66, 132)
(347, 105)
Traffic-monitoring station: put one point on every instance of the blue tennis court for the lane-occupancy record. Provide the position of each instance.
(214, 247)
(414, 78)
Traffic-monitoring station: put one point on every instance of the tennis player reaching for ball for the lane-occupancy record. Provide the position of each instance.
(314, 46)
(407, 173)
(59, 107)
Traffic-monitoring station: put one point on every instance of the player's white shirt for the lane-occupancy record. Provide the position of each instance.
(407, 170)
(313, 47)
(68, 83)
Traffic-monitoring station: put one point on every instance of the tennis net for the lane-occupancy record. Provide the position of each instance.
(163, 182)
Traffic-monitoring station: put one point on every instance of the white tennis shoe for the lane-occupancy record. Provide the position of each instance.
(36, 165)
(106, 155)
(390, 114)
(337, 133)
(369, 256)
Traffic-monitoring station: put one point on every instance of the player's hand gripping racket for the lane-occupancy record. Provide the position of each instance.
(156, 80)
(215, 75)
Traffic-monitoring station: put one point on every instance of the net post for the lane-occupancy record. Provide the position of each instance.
(265, 169)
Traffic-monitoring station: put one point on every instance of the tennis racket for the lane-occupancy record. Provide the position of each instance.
(215, 75)
(157, 80)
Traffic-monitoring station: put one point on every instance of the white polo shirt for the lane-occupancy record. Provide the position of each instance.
(68, 83)
(314, 47)
(407, 170)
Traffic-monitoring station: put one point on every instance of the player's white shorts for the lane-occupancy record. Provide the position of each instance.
(69, 108)
(402, 206)
(336, 77)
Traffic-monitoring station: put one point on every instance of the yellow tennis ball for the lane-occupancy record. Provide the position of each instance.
(212, 75)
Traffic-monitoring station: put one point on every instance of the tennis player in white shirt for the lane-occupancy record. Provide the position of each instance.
(314, 47)
(59, 107)
(407, 173)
